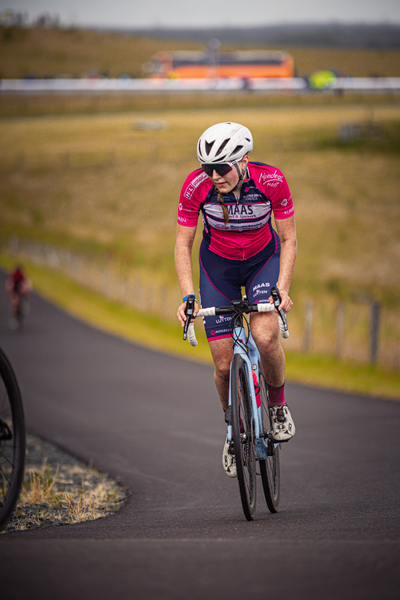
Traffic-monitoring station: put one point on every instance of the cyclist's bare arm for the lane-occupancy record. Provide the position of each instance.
(183, 264)
(286, 229)
(27, 286)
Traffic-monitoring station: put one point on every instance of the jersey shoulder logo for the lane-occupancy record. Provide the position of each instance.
(269, 177)
(193, 185)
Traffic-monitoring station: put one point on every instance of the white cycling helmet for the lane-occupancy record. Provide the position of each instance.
(224, 142)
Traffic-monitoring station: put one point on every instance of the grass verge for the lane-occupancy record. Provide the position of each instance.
(154, 332)
(59, 489)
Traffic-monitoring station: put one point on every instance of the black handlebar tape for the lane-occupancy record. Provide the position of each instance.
(189, 310)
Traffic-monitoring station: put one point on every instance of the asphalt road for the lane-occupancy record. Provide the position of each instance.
(154, 421)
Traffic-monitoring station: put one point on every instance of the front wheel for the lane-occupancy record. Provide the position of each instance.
(270, 467)
(243, 437)
(12, 440)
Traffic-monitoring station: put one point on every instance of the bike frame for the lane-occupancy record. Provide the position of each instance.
(251, 358)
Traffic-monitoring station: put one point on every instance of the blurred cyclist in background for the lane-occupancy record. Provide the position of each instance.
(18, 288)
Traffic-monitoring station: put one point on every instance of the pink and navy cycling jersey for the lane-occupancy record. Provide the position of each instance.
(249, 229)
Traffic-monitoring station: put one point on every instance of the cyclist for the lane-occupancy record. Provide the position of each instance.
(18, 288)
(239, 249)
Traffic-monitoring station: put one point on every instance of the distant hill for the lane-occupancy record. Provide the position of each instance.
(51, 52)
(331, 35)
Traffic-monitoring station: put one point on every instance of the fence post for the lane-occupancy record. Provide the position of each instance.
(374, 335)
(308, 328)
(339, 329)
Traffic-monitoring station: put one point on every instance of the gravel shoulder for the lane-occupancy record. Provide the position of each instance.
(60, 489)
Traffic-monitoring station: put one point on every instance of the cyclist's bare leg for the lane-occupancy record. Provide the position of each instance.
(265, 331)
(222, 352)
(14, 301)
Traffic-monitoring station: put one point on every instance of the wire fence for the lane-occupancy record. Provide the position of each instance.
(130, 288)
(362, 330)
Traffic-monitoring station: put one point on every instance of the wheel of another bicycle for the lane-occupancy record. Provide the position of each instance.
(12, 440)
(20, 315)
(269, 468)
(243, 437)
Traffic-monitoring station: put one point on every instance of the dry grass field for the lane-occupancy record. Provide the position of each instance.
(103, 184)
(107, 187)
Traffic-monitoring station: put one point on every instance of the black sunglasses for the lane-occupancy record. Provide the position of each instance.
(221, 168)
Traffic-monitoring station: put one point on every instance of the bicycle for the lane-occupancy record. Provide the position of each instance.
(12, 440)
(247, 417)
(19, 310)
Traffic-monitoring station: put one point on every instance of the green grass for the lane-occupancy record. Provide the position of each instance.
(344, 375)
(156, 333)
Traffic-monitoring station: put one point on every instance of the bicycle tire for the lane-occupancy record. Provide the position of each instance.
(12, 440)
(20, 314)
(243, 437)
(270, 467)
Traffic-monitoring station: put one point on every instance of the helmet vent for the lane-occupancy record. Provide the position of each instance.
(237, 149)
(209, 146)
(222, 146)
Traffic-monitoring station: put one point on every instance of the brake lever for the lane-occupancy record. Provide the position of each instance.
(276, 297)
(189, 310)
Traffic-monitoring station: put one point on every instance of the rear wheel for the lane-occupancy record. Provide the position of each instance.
(269, 468)
(243, 437)
(12, 440)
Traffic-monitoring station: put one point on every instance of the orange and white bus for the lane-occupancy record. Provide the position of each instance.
(202, 65)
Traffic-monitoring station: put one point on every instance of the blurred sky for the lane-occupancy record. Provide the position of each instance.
(208, 13)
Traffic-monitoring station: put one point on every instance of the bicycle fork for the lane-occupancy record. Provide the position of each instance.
(251, 363)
